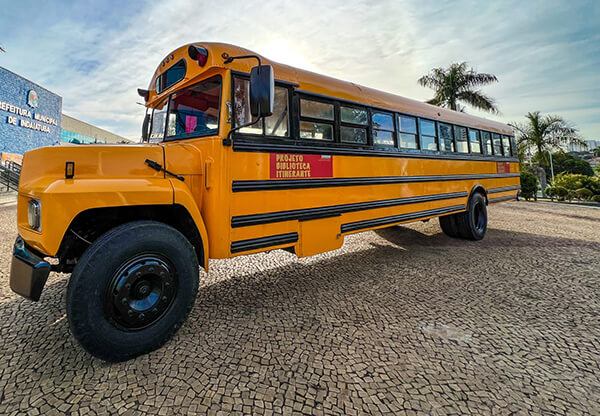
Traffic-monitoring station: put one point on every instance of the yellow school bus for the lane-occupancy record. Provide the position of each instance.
(240, 155)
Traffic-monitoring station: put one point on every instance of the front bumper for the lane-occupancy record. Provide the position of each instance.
(28, 272)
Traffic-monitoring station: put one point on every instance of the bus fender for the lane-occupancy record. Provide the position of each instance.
(182, 196)
(481, 189)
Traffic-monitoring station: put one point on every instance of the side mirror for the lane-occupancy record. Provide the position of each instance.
(262, 91)
(145, 125)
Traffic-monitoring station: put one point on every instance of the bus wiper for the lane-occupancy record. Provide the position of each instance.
(157, 166)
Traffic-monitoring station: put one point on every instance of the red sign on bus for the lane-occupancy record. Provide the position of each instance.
(502, 167)
(297, 166)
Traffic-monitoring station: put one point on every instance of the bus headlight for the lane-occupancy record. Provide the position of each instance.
(34, 214)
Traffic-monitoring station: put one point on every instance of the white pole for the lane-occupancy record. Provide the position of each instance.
(551, 167)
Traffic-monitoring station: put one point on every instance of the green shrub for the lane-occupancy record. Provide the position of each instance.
(584, 193)
(529, 185)
(596, 198)
(574, 182)
(561, 192)
(550, 191)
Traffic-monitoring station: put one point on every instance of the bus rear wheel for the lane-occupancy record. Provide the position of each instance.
(469, 225)
(131, 290)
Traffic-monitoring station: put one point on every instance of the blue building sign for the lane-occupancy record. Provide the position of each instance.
(29, 114)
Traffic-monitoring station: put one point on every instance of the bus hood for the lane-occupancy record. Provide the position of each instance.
(43, 166)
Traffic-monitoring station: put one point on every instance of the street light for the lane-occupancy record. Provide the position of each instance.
(551, 167)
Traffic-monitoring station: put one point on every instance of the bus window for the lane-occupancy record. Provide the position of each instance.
(486, 140)
(354, 123)
(460, 134)
(157, 128)
(277, 123)
(506, 145)
(316, 120)
(513, 146)
(497, 144)
(241, 97)
(445, 134)
(408, 132)
(383, 128)
(194, 111)
(474, 141)
(170, 77)
(428, 136)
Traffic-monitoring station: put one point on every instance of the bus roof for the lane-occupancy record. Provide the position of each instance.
(314, 83)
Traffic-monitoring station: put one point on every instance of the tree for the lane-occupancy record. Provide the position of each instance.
(543, 133)
(458, 83)
(597, 152)
(564, 162)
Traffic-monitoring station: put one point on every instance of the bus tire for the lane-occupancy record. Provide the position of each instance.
(472, 224)
(131, 290)
(448, 224)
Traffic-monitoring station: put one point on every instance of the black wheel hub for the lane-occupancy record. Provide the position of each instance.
(140, 292)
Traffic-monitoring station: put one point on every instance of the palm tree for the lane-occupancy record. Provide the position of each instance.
(597, 152)
(458, 83)
(544, 133)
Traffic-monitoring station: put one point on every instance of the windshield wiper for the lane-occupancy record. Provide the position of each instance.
(157, 166)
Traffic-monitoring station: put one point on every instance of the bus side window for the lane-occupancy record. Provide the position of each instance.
(497, 144)
(460, 135)
(276, 124)
(486, 139)
(513, 145)
(428, 136)
(316, 120)
(474, 141)
(354, 123)
(383, 128)
(506, 145)
(445, 135)
(241, 107)
(408, 132)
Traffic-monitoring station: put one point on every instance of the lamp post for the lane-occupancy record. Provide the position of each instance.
(551, 167)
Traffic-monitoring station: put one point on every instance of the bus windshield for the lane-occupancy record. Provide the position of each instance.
(192, 112)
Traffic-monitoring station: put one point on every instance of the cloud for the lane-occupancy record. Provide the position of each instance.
(546, 58)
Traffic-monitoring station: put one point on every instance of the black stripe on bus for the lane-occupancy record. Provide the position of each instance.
(360, 225)
(263, 242)
(335, 210)
(503, 189)
(278, 184)
(254, 145)
(502, 198)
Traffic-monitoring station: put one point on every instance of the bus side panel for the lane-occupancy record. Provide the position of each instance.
(425, 186)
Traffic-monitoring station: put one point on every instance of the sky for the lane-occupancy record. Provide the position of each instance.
(95, 54)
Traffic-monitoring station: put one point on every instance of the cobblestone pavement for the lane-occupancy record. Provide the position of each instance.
(399, 321)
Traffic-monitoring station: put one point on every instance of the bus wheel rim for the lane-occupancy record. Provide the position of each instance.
(140, 292)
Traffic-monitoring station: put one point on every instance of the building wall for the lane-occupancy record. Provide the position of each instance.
(27, 124)
(77, 131)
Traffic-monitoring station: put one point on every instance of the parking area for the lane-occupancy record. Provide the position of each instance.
(399, 321)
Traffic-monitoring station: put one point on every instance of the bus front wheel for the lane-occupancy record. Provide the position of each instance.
(471, 224)
(131, 290)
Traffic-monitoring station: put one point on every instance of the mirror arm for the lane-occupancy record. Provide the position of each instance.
(229, 59)
(227, 140)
